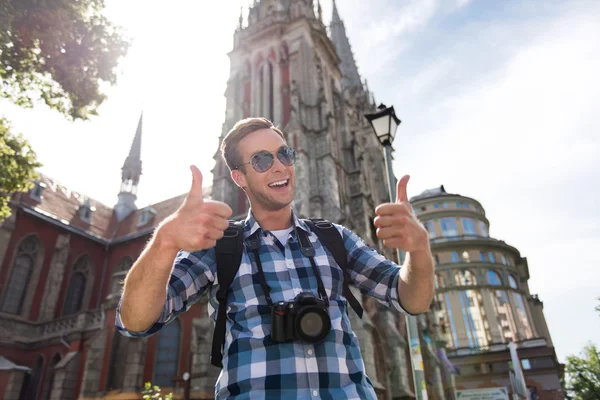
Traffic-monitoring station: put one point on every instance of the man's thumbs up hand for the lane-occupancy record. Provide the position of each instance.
(198, 223)
(397, 224)
(195, 193)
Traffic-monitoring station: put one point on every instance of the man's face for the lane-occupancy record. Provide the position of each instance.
(260, 186)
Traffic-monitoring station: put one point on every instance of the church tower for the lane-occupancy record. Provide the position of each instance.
(285, 67)
(130, 176)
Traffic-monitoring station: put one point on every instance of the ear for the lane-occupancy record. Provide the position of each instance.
(239, 178)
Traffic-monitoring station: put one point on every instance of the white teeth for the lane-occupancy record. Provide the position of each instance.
(278, 183)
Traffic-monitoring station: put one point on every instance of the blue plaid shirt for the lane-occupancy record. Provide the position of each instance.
(254, 366)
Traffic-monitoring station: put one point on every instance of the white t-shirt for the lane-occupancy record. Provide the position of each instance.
(282, 235)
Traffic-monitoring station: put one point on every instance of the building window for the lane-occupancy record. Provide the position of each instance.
(522, 313)
(525, 363)
(37, 190)
(146, 216)
(482, 256)
(458, 205)
(33, 380)
(20, 275)
(465, 205)
(505, 320)
(512, 282)
(492, 258)
(503, 259)
(493, 278)
(116, 367)
(436, 205)
(49, 380)
(445, 205)
(465, 278)
(265, 77)
(454, 257)
(471, 308)
(119, 274)
(429, 226)
(78, 283)
(448, 227)
(167, 355)
(439, 281)
(483, 230)
(451, 320)
(469, 226)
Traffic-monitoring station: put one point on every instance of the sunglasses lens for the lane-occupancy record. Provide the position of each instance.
(262, 161)
(286, 155)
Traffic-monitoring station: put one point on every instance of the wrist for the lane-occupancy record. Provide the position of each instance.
(164, 239)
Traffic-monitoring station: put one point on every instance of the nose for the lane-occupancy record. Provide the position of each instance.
(278, 165)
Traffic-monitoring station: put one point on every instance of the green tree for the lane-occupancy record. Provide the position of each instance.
(59, 52)
(583, 375)
(17, 166)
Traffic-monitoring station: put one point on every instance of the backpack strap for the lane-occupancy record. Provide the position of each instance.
(333, 241)
(229, 251)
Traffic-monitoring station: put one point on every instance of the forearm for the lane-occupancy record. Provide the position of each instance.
(416, 283)
(145, 289)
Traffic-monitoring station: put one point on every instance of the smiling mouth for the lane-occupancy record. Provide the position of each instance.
(279, 184)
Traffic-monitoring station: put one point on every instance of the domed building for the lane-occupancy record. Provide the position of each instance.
(483, 300)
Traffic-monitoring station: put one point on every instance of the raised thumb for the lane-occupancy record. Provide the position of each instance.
(196, 189)
(401, 193)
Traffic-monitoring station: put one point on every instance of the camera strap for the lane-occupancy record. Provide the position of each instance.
(307, 250)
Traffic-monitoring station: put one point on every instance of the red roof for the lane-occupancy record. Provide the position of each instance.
(62, 205)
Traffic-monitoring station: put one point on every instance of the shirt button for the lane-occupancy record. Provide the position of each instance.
(315, 393)
(310, 352)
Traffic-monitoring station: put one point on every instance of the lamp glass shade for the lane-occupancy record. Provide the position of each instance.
(381, 126)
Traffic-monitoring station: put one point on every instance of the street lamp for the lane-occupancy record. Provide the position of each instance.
(385, 123)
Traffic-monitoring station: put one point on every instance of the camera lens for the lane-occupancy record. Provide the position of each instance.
(313, 324)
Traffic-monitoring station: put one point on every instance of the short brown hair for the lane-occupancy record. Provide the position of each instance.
(240, 130)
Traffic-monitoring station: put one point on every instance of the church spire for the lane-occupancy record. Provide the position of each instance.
(130, 176)
(350, 76)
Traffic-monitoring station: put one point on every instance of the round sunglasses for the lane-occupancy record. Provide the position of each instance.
(263, 160)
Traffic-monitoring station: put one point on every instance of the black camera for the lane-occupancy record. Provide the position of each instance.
(306, 318)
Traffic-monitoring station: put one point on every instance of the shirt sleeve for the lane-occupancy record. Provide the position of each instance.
(372, 273)
(192, 274)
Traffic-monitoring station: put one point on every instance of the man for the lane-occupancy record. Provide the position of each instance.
(254, 365)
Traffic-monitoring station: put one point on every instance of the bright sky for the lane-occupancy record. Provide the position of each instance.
(499, 102)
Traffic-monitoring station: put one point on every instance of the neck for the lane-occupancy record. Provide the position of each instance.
(273, 220)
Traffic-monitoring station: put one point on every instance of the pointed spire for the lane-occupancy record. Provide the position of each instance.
(241, 17)
(136, 146)
(319, 11)
(130, 175)
(336, 16)
(350, 76)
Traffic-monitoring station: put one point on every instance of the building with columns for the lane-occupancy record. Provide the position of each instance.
(63, 255)
(483, 300)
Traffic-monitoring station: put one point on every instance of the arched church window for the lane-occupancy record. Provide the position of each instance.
(493, 278)
(76, 292)
(266, 92)
(167, 355)
(116, 366)
(119, 274)
(49, 380)
(20, 275)
(33, 381)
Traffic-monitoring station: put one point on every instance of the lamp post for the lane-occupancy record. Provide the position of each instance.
(385, 123)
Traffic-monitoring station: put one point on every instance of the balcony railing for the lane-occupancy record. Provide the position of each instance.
(444, 239)
(17, 330)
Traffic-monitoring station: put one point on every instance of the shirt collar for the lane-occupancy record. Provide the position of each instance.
(251, 225)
